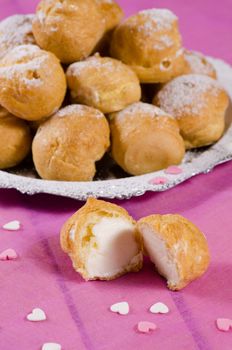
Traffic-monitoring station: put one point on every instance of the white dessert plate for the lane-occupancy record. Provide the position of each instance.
(113, 183)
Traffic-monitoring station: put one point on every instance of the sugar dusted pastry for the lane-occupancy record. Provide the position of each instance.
(176, 246)
(150, 43)
(14, 31)
(104, 83)
(70, 29)
(102, 241)
(145, 139)
(198, 103)
(15, 140)
(67, 146)
(32, 82)
(196, 63)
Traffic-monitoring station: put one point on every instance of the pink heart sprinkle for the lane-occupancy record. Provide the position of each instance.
(158, 181)
(8, 254)
(173, 170)
(146, 327)
(224, 324)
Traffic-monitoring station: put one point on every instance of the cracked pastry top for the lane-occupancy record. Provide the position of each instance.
(67, 145)
(104, 83)
(70, 29)
(145, 139)
(32, 82)
(150, 43)
(198, 103)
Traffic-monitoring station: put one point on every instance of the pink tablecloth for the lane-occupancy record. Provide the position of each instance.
(78, 315)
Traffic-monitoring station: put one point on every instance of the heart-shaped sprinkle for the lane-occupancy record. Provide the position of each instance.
(36, 315)
(8, 254)
(224, 324)
(12, 225)
(121, 308)
(158, 181)
(173, 170)
(159, 308)
(51, 346)
(146, 327)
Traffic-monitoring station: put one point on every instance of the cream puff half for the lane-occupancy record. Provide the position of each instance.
(176, 246)
(102, 241)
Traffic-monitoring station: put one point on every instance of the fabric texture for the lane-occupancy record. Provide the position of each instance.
(78, 315)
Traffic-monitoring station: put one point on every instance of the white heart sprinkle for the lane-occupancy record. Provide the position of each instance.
(121, 308)
(51, 346)
(12, 225)
(159, 308)
(36, 315)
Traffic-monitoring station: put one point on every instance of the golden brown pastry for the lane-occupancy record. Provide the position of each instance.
(198, 103)
(176, 246)
(150, 43)
(67, 146)
(103, 83)
(15, 140)
(32, 82)
(102, 241)
(196, 63)
(111, 12)
(70, 29)
(145, 139)
(14, 31)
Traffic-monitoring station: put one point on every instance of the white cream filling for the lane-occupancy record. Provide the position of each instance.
(158, 253)
(113, 248)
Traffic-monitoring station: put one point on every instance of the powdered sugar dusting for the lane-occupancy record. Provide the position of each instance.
(165, 41)
(157, 20)
(23, 53)
(23, 63)
(198, 63)
(186, 94)
(143, 109)
(179, 52)
(55, 8)
(41, 16)
(79, 111)
(98, 63)
(15, 30)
